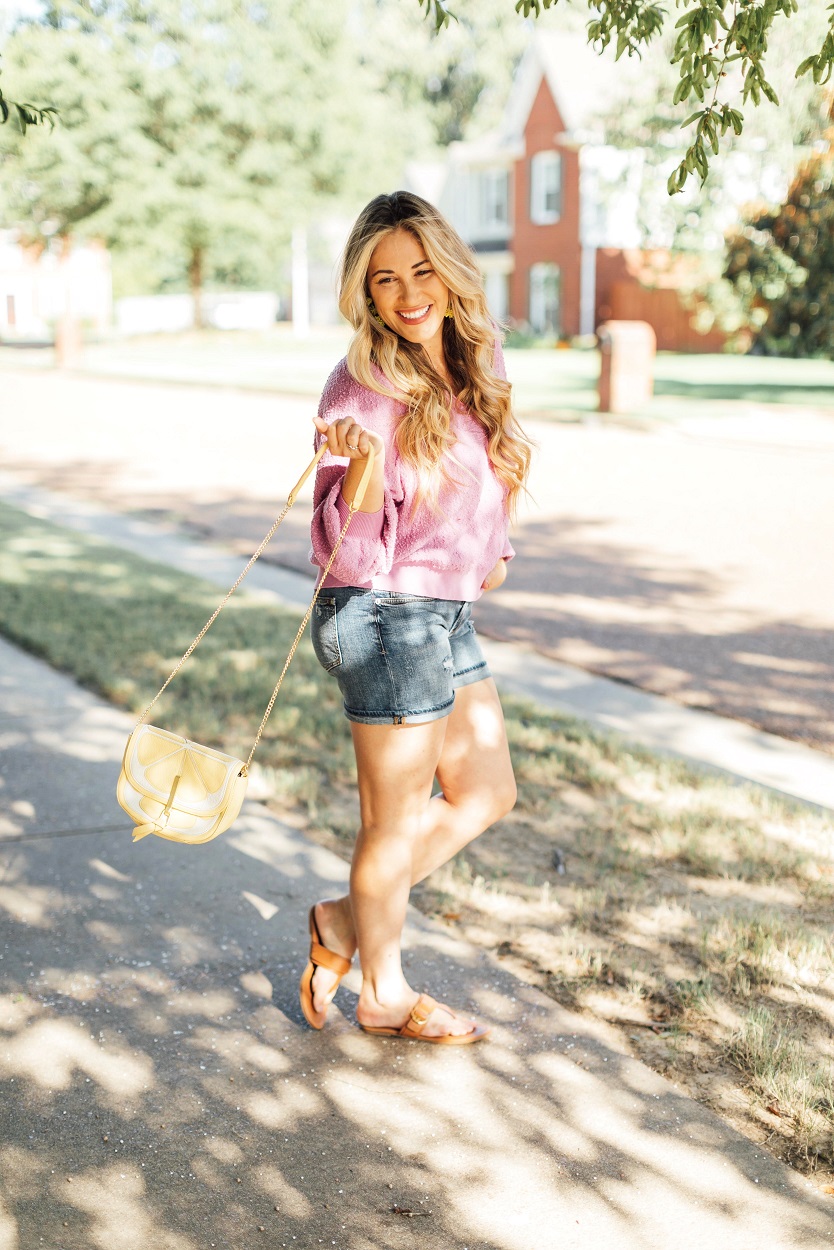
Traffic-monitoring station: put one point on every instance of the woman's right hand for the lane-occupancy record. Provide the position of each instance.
(348, 439)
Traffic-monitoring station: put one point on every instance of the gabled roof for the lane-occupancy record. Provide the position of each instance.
(581, 82)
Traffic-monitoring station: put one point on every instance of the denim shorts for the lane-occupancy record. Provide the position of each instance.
(398, 658)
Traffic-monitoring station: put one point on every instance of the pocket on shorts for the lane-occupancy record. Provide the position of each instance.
(463, 620)
(324, 632)
(396, 599)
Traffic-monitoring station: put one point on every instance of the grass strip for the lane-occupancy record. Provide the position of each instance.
(676, 904)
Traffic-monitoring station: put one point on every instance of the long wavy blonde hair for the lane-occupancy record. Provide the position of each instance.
(380, 359)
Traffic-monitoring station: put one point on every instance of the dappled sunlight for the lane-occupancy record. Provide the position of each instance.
(51, 1052)
(190, 947)
(208, 1003)
(782, 664)
(108, 934)
(90, 740)
(288, 1110)
(30, 906)
(8, 1228)
(236, 1121)
(291, 1201)
(667, 917)
(265, 909)
(159, 1090)
(107, 870)
(275, 848)
(106, 893)
(257, 984)
(224, 1151)
(238, 1046)
(116, 1201)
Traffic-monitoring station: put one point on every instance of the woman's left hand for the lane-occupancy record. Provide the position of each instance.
(496, 578)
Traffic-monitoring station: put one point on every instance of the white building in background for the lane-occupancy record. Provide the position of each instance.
(38, 289)
(173, 314)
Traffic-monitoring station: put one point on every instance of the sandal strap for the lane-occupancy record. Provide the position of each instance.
(324, 958)
(420, 1013)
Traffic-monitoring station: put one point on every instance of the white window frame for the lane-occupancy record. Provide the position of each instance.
(545, 307)
(490, 204)
(545, 188)
(495, 199)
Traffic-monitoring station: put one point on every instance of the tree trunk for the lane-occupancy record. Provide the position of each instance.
(195, 277)
(68, 327)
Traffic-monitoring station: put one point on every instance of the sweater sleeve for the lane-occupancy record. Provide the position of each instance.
(368, 547)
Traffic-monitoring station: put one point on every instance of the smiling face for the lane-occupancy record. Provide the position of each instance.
(407, 292)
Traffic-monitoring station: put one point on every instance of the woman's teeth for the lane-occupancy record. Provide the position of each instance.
(415, 316)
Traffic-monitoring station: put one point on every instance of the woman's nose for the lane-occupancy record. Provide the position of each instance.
(411, 291)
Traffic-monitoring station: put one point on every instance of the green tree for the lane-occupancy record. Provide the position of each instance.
(25, 114)
(757, 165)
(448, 80)
(193, 136)
(781, 265)
(720, 54)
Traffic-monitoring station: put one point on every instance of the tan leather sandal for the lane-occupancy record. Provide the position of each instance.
(417, 1021)
(320, 957)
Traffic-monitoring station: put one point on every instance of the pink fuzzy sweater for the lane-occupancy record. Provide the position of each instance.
(444, 554)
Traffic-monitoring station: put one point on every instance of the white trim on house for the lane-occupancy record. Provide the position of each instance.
(588, 291)
(580, 81)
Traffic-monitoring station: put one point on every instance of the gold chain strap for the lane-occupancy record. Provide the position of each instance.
(297, 638)
(293, 495)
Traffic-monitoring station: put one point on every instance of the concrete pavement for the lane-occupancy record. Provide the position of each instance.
(161, 1090)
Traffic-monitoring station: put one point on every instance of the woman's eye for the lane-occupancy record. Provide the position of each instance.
(423, 273)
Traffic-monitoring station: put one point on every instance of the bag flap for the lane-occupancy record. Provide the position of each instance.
(155, 760)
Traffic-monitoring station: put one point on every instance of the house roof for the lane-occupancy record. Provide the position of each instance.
(581, 82)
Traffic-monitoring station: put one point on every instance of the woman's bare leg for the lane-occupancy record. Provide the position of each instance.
(407, 835)
(396, 768)
(476, 779)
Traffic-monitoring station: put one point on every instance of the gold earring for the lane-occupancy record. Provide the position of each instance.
(373, 310)
(450, 312)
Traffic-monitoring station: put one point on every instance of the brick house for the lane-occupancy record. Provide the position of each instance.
(552, 212)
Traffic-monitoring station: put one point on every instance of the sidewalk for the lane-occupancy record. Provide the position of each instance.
(703, 739)
(161, 1089)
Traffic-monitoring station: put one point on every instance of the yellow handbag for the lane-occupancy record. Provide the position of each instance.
(178, 789)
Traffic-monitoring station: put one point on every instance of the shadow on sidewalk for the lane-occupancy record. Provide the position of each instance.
(160, 1089)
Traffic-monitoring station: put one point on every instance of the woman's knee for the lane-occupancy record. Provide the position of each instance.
(487, 803)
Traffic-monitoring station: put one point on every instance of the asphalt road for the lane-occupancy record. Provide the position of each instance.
(692, 560)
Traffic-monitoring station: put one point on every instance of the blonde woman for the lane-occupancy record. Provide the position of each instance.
(423, 384)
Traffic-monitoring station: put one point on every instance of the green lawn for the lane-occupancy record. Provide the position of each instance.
(551, 383)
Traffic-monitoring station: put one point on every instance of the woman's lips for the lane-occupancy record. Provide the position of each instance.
(416, 317)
